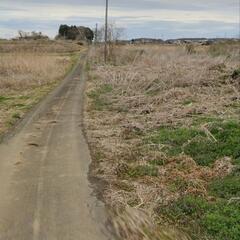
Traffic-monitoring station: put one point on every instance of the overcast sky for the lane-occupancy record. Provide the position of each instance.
(140, 18)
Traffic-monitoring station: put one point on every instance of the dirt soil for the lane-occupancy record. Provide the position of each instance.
(44, 187)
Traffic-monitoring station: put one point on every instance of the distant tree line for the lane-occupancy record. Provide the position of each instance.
(31, 35)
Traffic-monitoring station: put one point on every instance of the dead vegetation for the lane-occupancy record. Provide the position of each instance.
(156, 119)
(21, 71)
(29, 70)
(39, 46)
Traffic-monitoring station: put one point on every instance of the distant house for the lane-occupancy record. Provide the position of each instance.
(201, 41)
(75, 33)
(173, 41)
(179, 41)
(146, 41)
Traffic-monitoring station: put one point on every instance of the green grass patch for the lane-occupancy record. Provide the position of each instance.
(188, 102)
(199, 120)
(24, 97)
(157, 162)
(173, 138)
(74, 57)
(19, 105)
(4, 98)
(98, 98)
(227, 187)
(205, 151)
(13, 119)
(179, 184)
(217, 220)
(16, 115)
(144, 170)
(197, 144)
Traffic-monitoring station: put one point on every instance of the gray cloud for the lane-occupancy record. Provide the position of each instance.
(222, 5)
(151, 18)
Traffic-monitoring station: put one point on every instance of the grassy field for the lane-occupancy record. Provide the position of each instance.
(28, 71)
(163, 123)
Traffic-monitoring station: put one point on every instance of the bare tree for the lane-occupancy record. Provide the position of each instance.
(114, 33)
(22, 34)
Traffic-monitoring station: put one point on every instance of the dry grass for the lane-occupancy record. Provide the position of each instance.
(28, 71)
(145, 88)
(21, 71)
(39, 46)
(135, 224)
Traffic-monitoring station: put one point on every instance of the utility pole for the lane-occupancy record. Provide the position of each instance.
(106, 33)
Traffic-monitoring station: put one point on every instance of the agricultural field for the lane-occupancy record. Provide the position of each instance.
(163, 124)
(28, 71)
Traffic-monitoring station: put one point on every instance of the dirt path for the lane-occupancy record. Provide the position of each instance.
(44, 188)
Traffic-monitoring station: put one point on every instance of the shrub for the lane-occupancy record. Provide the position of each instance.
(236, 74)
